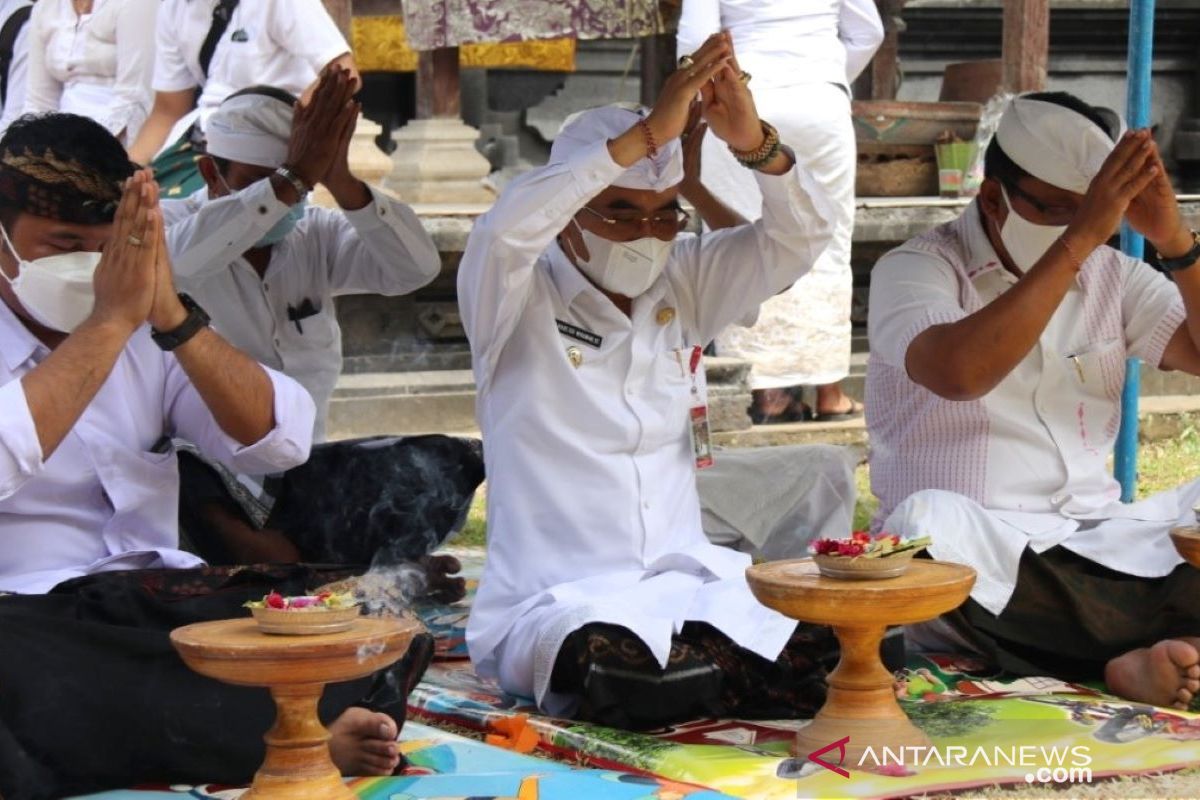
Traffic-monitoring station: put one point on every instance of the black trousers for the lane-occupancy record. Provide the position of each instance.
(382, 500)
(93, 696)
(1069, 616)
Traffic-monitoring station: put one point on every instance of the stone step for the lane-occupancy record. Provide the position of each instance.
(443, 401)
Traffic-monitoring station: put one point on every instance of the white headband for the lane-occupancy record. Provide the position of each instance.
(251, 129)
(585, 128)
(1052, 143)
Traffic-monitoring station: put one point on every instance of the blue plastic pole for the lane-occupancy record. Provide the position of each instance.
(1141, 54)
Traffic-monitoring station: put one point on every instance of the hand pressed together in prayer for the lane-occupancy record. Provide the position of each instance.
(1120, 189)
(318, 151)
(726, 106)
(126, 279)
(1154, 212)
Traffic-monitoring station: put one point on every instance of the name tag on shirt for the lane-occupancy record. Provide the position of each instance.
(579, 334)
(691, 362)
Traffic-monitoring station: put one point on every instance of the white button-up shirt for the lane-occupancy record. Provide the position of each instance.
(1035, 448)
(282, 43)
(381, 248)
(592, 506)
(107, 498)
(789, 43)
(98, 65)
(14, 102)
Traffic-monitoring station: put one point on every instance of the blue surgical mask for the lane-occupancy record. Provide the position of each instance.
(286, 224)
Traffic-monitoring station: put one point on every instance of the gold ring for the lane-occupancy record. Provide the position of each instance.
(686, 62)
(744, 76)
(133, 240)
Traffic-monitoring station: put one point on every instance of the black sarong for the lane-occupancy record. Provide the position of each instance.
(380, 500)
(1069, 616)
(620, 685)
(93, 696)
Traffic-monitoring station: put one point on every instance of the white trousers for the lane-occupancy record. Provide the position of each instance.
(801, 336)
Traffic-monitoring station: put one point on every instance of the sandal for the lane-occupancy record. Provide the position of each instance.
(854, 412)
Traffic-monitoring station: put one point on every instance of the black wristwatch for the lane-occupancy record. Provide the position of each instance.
(1184, 261)
(197, 320)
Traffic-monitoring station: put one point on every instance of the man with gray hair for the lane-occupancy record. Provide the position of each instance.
(998, 348)
(587, 312)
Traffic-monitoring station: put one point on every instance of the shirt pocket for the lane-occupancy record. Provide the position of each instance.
(319, 331)
(671, 390)
(1097, 374)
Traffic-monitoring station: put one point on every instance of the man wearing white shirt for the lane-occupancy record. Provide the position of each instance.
(998, 349)
(586, 314)
(14, 51)
(283, 43)
(249, 247)
(101, 361)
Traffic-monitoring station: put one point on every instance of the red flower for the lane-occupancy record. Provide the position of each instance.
(860, 536)
(274, 600)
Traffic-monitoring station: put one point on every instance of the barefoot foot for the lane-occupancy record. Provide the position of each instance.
(364, 743)
(1167, 674)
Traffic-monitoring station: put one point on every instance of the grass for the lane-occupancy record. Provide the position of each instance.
(1162, 465)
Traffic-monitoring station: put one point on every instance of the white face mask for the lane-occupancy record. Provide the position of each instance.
(56, 290)
(625, 268)
(1025, 241)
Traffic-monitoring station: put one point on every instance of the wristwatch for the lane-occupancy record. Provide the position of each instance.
(298, 183)
(197, 320)
(1184, 261)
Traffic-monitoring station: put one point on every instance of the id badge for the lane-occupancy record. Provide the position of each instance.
(701, 437)
(698, 413)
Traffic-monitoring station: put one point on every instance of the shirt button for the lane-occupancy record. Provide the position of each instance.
(646, 505)
(277, 341)
(1057, 499)
(267, 286)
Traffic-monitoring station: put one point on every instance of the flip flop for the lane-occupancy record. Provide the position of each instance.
(855, 411)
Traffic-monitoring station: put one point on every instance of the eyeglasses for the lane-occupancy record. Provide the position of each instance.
(628, 224)
(1053, 211)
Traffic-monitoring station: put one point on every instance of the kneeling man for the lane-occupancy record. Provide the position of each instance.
(998, 348)
(587, 313)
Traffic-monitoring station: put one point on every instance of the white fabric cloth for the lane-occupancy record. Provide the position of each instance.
(1033, 451)
(251, 128)
(379, 249)
(802, 336)
(1052, 143)
(105, 499)
(592, 506)
(786, 44)
(282, 43)
(18, 70)
(771, 502)
(584, 128)
(97, 65)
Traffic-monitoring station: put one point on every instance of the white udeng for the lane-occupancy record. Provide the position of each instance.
(592, 506)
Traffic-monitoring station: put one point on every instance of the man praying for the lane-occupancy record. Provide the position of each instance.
(587, 312)
(102, 363)
(998, 349)
(249, 247)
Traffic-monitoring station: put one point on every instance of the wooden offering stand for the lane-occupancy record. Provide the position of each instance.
(295, 669)
(1187, 542)
(861, 702)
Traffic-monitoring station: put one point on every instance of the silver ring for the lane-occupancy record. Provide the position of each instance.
(133, 240)
(686, 62)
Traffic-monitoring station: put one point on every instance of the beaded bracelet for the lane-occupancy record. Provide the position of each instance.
(753, 159)
(651, 145)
